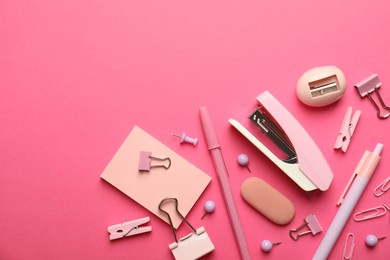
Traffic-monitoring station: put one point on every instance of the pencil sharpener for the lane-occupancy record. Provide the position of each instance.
(321, 86)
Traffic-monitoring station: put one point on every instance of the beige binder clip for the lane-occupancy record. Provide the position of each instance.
(192, 246)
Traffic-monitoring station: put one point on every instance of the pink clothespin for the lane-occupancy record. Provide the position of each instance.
(129, 228)
(347, 129)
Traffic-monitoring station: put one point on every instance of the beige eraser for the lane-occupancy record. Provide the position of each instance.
(268, 201)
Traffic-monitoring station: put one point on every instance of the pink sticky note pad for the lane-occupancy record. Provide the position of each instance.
(182, 180)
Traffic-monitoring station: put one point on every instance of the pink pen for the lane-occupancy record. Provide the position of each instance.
(220, 168)
(359, 181)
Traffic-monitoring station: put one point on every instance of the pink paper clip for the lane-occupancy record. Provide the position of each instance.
(369, 85)
(348, 256)
(145, 162)
(129, 228)
(371, 213)
(347, 129)
(312, 223)
(382, 188)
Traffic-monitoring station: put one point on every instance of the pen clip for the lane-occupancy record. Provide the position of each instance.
(361, 168)
(341, 199)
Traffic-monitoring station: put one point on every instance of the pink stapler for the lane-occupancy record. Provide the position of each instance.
(299, 157)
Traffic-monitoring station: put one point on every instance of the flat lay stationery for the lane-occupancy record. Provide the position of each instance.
(195, 130)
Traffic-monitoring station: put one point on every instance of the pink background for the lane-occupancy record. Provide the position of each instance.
(76, 76)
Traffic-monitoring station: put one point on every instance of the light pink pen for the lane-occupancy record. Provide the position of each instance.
(220, 168)
(359, 181)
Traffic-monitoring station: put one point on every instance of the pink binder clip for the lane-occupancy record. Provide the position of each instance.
(369, 85)
(129, 228)
(145, 162)
(312, 223)
(347, 129)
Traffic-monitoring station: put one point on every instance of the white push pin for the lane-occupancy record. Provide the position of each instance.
(243, 160)
(187, 139)
(209, 207)
(267, 245)
(372, 240)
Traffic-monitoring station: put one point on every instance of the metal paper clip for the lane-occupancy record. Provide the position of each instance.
(351, 237)
(192, 246)
(264, 121)
(371, 213)
(145, 160)
(312, 223)
(369, 85)
(382, 188)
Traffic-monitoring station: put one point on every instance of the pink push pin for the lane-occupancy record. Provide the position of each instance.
(243, 160)
(209, 207)
(187, 139)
